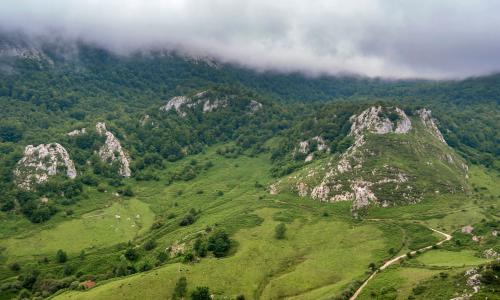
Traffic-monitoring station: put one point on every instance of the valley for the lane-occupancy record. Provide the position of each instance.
(161, 176)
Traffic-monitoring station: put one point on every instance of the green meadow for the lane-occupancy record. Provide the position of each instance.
(324, 251)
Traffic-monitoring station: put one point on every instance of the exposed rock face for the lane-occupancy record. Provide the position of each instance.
(429, 122)
(373, 120)
(42, 161)
(77, 132)
(176, 103)
(211, 105)
(112, 150)
(206, 101)
(305, 147)
(255, 106)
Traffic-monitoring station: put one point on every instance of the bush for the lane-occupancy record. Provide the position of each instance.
(15, 266)
(188, 219)
(180, 288)
(188, 257)
(149, 245)
(219, 243)
(200, 247)
(162, 257)
(279, 231)
(131, 254)
(201, 293)
(61, 256)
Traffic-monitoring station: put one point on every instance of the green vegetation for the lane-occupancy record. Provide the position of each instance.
(196, 216)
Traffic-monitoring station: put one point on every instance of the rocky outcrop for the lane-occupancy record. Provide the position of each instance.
(430, 123)
(112, 150)
(207, 101)
(381, 121)
(76, 132)
(176, 103)
(42, 161)
(304, 147)
(254, 106)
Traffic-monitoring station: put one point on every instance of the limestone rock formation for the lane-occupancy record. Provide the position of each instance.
(112, 150)
(207, 101)
(42, 161)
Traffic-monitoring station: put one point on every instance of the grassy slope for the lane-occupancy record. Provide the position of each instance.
(99, 228)
(449, 214)
(324, 250)
(315, 260)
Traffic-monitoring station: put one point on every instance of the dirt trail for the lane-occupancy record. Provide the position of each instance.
(396, 259)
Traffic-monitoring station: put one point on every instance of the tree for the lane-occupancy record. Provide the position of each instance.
(219, 243)
(61, 256)
(201, 293)
(180, 288)
(279, 231)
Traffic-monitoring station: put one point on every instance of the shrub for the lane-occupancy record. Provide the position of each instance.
(188, 257)
(219, 243)
(61, 256)
(180, 288)
(149, 245)
(15, 266)
(188, 219)
(279, 231)
(200, 247)
(131, 254)
(201, 293)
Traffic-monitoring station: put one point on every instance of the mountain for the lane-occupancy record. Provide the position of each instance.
(394, 159)
(156, 175)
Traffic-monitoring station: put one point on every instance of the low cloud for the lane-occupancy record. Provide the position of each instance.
(392, 39)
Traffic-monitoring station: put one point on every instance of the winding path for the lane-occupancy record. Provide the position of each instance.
(396, 259)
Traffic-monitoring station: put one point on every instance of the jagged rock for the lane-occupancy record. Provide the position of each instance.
(305, 147)
(112, 150)
(363, 195)
(372, 121)
(211, 105)
(42, 161)
(76, 132)
(176, 103)
(429, 122)
(255, 106)
(207, 102)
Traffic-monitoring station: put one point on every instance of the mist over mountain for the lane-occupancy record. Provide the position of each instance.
(391, 39)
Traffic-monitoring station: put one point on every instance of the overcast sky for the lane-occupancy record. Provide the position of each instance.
(392, 38)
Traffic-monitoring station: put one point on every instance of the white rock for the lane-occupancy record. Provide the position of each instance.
(176, 103)
(255, 106)
(112, 150)
(370, 120)
(42, 161)
(430, 124)
(76, 132)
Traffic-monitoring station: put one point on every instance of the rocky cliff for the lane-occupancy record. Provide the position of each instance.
(112, 150)
(42, 161)
(207, 101)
